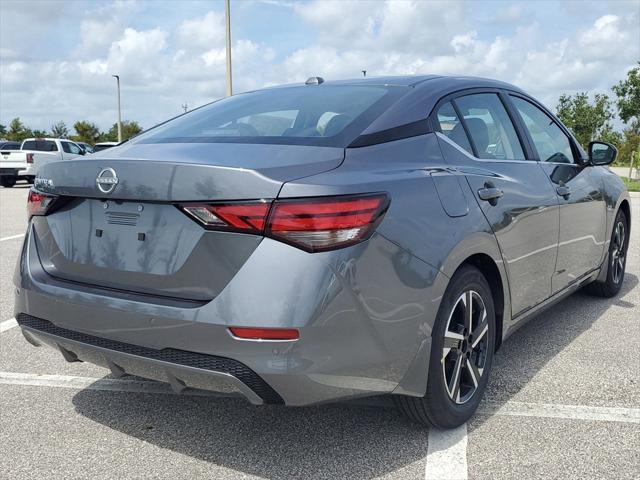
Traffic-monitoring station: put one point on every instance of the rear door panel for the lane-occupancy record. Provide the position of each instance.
(524, 221)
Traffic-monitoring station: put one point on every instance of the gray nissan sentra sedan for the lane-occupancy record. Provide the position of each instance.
(316, 242)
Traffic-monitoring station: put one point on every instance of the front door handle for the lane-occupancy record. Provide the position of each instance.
(564, 191)
(490, 194)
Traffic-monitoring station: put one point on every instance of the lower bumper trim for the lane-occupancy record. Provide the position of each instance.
(167, 356)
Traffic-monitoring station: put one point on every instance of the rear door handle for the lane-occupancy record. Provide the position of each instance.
(490, 193)
(563, 191)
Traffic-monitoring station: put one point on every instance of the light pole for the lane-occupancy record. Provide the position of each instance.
(119, 114)
(227, 11)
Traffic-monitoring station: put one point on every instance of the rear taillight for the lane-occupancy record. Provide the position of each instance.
(39, 203)
(29, 157)
(326, 223)
(243, 217)
(312, 224)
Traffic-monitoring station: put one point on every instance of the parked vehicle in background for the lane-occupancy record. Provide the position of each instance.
(317, 242)
(34, 153)
(86, 147)
(103, 146)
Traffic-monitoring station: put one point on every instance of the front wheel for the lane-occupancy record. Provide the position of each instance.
(462, 346)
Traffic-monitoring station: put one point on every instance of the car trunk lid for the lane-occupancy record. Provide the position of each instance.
(133, 238)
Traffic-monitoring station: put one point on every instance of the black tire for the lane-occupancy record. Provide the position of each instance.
(617, 260)
(438, 408)
(7, 181)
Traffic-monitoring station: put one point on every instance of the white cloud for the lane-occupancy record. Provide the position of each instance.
(164, 65)
(202, 33)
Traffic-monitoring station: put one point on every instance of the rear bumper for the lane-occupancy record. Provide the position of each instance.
(364, 314)
(180, 369)
(12, 172)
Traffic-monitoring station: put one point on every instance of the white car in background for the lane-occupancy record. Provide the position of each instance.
(24, 164)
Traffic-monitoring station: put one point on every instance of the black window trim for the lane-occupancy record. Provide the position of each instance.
(522, 135)
(577, 158)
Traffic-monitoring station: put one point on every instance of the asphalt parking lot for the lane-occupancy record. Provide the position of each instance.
(563, 402)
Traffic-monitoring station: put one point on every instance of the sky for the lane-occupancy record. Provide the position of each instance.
(57, 58)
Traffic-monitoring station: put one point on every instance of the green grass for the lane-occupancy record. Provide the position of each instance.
(632, 185)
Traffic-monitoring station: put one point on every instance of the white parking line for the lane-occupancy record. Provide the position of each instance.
(569, 412)
(447, 454)
(104, 384)
(7, 324)
(12, 237)
(519, 409)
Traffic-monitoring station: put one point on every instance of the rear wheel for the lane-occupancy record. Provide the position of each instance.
(7, 181)
(462, 348)
(617, 259)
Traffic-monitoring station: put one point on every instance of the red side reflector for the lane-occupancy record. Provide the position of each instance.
(265, 333)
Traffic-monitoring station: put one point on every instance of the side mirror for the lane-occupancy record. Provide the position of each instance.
(602, 153)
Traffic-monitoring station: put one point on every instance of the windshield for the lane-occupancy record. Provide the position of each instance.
(325, 115)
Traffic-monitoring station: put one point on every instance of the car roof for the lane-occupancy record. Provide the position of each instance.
(423, 95)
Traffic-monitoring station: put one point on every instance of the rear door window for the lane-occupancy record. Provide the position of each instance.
(490, 127)
(452, 128)
(40, 145)
(551, 143)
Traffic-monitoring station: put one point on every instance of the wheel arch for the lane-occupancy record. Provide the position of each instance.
(626, 208)
(489, 269)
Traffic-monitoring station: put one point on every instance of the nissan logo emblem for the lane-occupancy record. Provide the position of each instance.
(107, 180)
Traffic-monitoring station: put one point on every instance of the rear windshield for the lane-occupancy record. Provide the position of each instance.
(325, 115)
(40, 145)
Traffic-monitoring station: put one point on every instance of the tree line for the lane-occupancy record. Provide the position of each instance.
(84, 131)
(592, 119)
(589, 119)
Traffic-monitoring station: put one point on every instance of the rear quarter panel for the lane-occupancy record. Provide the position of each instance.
(425, 220)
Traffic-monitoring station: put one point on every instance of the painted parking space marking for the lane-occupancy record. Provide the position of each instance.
(510, 408)
(12, 237)
(447, 454)
(8, 324)
(568, 412)
(103, 384)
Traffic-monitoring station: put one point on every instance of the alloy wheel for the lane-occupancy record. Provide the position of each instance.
(618, 252)
(464, 352)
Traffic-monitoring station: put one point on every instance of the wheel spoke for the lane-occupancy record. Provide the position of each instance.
(452, 340)
(473, 373)
(468, 314)
(480, 331)
(454, 383)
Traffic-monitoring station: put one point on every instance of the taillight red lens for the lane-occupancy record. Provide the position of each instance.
(312, 224)
(29, 157)
(326, 223)
(246, 217)
(251, 333)
(39, 203)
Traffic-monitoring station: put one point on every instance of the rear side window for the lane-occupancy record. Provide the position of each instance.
(490, 127)
(325, 115)
(551, 143)
(40, 145)
(450, 125)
